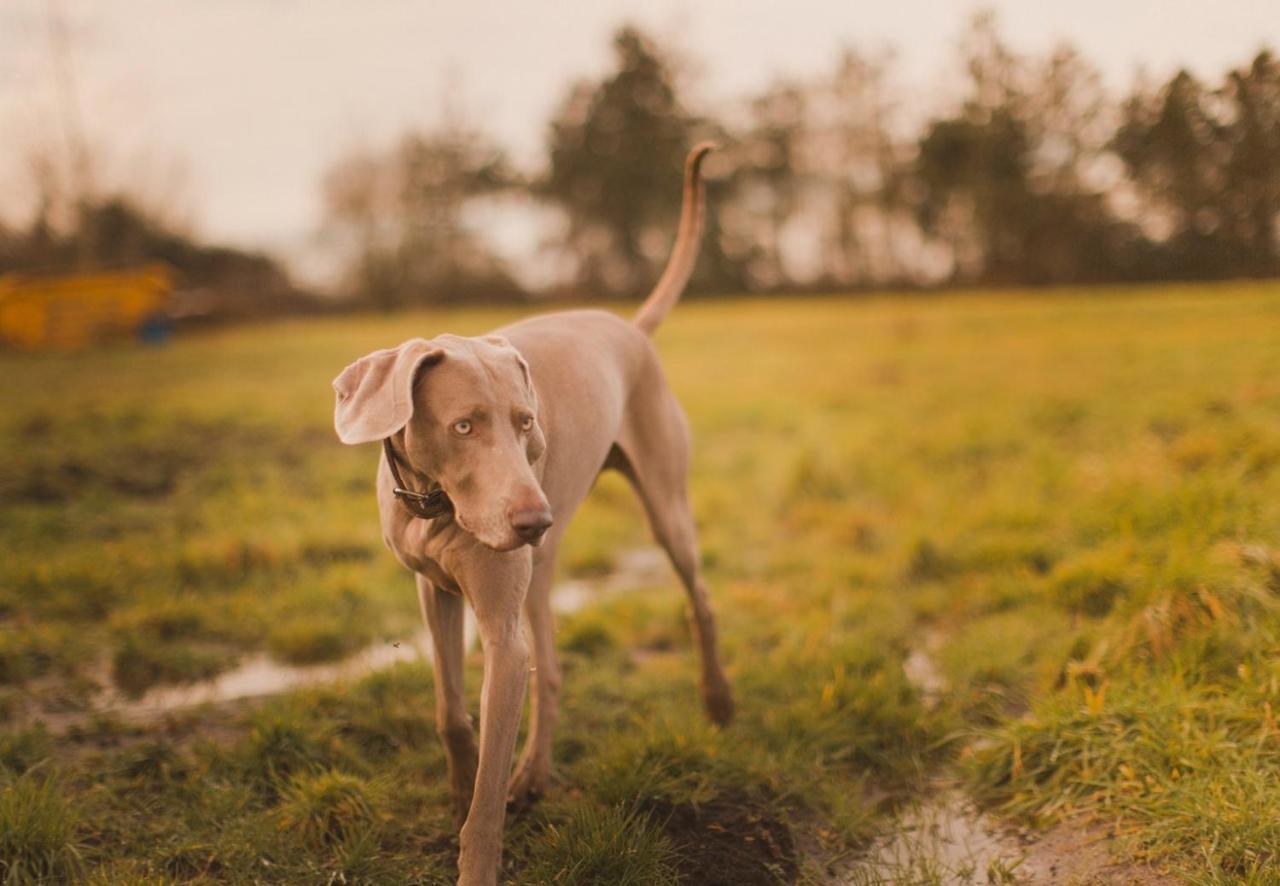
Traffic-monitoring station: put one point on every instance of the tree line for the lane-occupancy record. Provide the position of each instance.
(1032, 175)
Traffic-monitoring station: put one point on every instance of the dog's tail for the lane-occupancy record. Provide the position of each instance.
(688, 237)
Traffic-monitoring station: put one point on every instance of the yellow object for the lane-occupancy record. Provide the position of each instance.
(74, 310)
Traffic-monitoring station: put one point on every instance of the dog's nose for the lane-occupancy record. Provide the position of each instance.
(530, 524)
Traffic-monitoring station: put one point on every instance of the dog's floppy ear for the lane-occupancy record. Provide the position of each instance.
(375, 393)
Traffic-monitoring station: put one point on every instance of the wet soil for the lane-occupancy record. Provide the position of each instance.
(944, 838)
(730, 841)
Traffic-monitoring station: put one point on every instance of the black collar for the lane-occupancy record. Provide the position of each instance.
(426, 505)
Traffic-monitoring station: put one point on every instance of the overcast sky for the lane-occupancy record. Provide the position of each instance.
(237, 106)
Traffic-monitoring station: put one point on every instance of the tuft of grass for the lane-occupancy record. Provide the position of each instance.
(22, 749)
(124, 874)
(1190, 773)
(815, 477)
(190, 861)
(928, 562)
(39, 838)
(279, 749)
(590, 844)
(305, 636)
(1092, 583)
(153, 760)
(177, 619)
(656, 761)
(138, 664)
(312, 640)
(23, 655)
(328, 809)
(587, 635)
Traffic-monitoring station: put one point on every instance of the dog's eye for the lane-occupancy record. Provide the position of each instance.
(526, 423)
(462, 428)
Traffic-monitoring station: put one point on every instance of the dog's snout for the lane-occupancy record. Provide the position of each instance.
(530, 523)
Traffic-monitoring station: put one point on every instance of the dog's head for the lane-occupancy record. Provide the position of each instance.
(464, 413)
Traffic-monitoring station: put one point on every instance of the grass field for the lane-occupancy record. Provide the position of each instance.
(1071, 500)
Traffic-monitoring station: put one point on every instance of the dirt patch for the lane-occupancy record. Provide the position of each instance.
(946, 839)
(728, 842)
(1069, 854)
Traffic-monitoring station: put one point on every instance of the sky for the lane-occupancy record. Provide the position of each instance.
(231, 110)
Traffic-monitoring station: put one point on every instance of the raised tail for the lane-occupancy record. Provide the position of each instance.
(688, 237)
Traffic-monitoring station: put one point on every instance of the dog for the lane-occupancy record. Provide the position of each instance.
(489, 446)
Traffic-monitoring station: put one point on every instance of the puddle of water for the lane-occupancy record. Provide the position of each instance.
(637, 568)
(944, 840)
(922, 671)
(259, 675)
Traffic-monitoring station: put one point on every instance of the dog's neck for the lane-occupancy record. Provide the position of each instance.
(423, 505)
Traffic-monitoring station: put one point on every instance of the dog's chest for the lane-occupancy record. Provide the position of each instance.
(438, 577)
(421, 551)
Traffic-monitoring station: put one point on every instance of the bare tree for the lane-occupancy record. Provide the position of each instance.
(399, 218)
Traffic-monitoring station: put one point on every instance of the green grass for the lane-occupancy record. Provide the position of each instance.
(38, 832)
(1072, 498)
(601, 844)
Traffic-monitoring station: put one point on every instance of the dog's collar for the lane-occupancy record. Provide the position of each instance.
(425, 505)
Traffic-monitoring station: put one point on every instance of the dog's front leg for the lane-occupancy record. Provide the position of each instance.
(496, 587)
(533, 772)
(443, 612)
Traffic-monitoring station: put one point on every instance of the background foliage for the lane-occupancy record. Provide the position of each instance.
(1024, 170)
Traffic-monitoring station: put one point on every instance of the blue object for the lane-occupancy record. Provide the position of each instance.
(155, 329)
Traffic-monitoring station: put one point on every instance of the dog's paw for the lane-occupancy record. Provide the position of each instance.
(719, 705)
(528, 786)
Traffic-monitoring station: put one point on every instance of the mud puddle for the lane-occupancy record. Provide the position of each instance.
(260, 675)
(943, 838)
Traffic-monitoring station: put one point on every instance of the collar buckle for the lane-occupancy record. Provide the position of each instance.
(424, 505)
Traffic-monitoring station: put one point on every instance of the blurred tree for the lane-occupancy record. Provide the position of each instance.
(1172, 150)
(818, 181)
(861, 165)
(616, 152)
(973, 169)
(1253, 167)
(770, 185)
(131, 217)
(114, 231)
(1207, 162)
(1006, 181)
(399, 218)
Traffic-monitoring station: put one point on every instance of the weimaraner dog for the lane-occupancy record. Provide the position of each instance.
(489, 445)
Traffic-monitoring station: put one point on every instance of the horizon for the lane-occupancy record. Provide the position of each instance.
(161, 120)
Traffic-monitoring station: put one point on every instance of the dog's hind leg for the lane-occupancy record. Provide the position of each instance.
(444, 612)
(653, 453)
(533, 772)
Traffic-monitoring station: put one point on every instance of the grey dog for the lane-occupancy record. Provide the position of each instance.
(489, 446)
